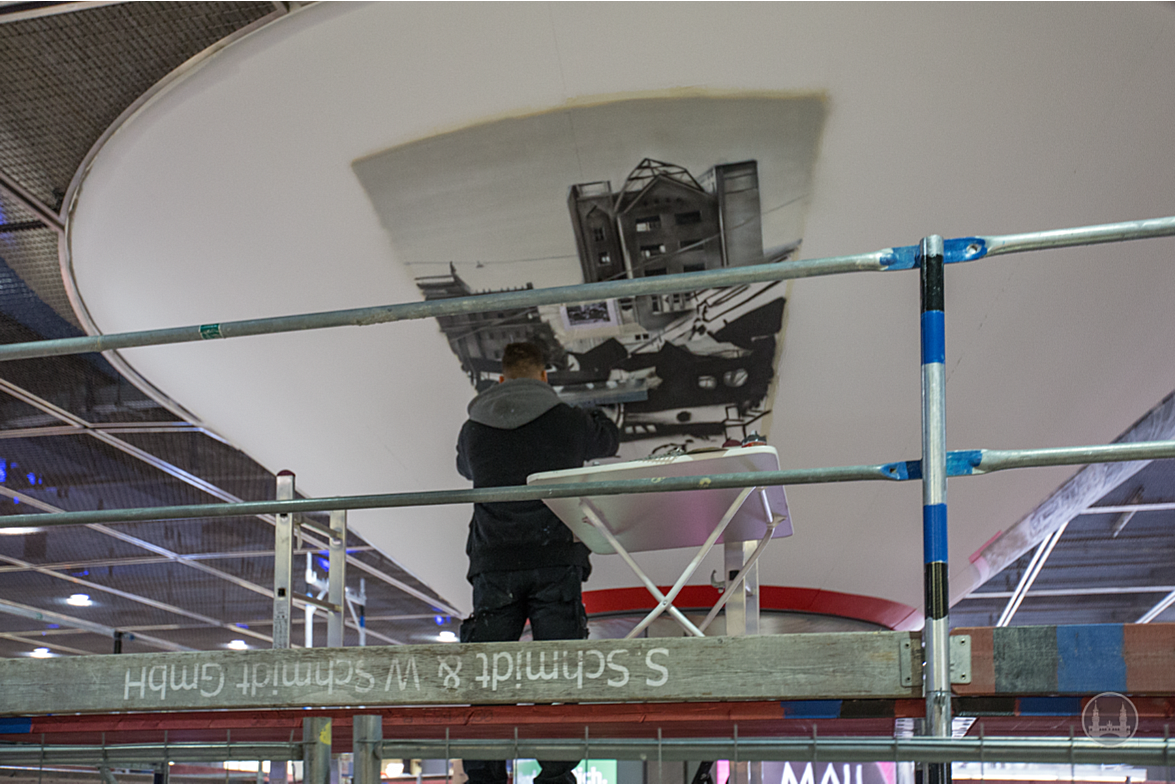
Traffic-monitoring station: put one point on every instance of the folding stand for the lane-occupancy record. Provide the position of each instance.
(624, 524)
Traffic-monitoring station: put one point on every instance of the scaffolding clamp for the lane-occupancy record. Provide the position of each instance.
(960, 663)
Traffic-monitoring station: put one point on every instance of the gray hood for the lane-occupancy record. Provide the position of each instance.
(513, 403)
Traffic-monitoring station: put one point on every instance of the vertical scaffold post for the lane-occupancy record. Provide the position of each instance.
(367, 733)
(741, 616)
(283, 562)
(316, 750)
(337, 578)
(936, 672)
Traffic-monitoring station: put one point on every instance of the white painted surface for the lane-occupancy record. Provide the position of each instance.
(232, 196)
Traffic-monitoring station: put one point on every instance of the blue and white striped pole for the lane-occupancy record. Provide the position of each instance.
(936, 670)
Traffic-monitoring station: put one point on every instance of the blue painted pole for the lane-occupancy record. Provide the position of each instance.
(936, 670)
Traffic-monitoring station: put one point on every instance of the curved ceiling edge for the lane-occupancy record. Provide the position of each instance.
(73, 193)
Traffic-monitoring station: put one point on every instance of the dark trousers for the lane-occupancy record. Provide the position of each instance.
(503, 601)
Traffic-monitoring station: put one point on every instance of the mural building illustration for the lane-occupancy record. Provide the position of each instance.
(613, 190)
(678, 368)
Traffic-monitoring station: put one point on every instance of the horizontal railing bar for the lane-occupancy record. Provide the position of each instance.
(380, 314)
(115, 755)
(960, 464)
(1002, 459)
(964, 249)
(1085, 235)
(1135, 751)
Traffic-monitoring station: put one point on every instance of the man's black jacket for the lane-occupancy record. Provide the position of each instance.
(515, 429)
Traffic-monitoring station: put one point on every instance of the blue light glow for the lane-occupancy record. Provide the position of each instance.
(31, 477)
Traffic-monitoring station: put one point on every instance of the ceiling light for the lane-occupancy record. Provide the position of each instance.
(18, 531)
(239, 645)
(79, 600)
(40, 653)
(447, 636)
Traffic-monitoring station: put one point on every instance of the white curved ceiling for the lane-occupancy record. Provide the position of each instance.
(232, 196)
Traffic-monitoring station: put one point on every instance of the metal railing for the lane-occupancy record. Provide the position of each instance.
(887, 259)
(962, 463)
(1155, 752)
(933, 469)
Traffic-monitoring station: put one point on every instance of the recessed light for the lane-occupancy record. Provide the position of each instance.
(447, 636)
(79, 600)
(239, 645)
(40, 653)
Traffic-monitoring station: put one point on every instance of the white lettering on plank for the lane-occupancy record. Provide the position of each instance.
(617, 683)
(403, 675)
(651, 664)
(204, 676)
(141, 683)
(449, 672)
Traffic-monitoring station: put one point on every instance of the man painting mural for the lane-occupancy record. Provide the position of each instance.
(524, 562)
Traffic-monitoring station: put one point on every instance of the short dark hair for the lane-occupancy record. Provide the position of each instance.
(522, 360)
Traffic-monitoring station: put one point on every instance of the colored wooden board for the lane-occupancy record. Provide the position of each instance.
(983, 666)
(1026, 660)
(1148, 651)
(1090, 659)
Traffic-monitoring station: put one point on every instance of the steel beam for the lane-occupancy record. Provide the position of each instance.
(1166, 506)
(1107, 591)
(48, 616)
(1031, 571)
(44, 214)
(1160, 606)
(103, 435)
(163, 551)
(1074, 497)
(171, 608)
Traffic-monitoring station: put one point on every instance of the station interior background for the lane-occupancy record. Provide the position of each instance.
(84, 85)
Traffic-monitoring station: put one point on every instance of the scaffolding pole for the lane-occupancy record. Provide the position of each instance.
(936, 666)
(1155, 752)
(887, 259)
(962, 463)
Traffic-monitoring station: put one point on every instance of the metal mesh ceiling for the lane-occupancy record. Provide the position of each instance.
(74, 434)
(64, 79)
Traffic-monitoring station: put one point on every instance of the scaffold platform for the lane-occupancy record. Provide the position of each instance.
(1025, 682)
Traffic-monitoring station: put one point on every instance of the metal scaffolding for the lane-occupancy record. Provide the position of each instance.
(933, 469)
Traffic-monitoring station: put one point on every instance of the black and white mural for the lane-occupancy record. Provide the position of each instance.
(624, 189)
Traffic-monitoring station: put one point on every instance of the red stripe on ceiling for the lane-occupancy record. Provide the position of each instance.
(772, 597)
